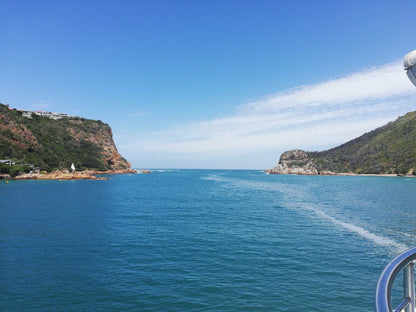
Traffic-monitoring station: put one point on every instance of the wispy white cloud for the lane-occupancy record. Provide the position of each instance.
(368, 85)
(310, 116)
(138, 114)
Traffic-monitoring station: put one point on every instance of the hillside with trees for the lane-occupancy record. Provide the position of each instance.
(56, 144)
(390, 149)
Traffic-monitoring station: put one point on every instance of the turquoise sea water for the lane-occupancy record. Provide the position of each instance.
(201, 240)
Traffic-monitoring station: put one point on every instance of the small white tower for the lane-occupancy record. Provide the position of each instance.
(73, 168)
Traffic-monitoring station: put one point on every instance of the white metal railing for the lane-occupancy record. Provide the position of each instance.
(405, 262)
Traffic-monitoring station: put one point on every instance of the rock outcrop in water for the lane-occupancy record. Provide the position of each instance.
(294, 162)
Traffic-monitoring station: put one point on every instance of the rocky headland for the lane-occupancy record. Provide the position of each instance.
(389, 150)
(53, 145)
(294, 162)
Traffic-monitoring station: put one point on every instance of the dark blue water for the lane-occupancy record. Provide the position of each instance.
(201, 240)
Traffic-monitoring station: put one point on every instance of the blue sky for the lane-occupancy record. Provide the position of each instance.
(211, 84)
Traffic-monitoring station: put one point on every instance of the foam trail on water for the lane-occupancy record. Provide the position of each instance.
(407, 234)
(282, 188)
(377, 239)
(240, 183)
(214, 177)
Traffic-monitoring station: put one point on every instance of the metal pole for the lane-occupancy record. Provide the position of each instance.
(409, 286)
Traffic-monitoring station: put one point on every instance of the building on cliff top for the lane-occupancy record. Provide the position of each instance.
(50, 115)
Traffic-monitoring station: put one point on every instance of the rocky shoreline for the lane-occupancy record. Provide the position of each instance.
(66, 175)
(329, 173)
(298, 162)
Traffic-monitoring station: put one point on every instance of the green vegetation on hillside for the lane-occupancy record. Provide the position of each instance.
(47, 143)
(13, 170)
(390, 149)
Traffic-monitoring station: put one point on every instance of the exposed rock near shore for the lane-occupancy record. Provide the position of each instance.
(294, 162)
(118, 171)
(66, 175)
(56, 176)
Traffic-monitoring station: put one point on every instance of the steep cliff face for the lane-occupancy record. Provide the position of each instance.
(55, 144)
(294, 162)
(100, 135)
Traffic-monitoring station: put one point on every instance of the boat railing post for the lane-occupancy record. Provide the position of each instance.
(409, 286)
(403, 263)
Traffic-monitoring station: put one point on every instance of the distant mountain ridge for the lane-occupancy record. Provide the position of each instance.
(390, 149)
(55, 144)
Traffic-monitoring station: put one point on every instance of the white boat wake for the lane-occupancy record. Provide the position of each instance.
(289, 191)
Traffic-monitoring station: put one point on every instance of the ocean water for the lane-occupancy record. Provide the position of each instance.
(201, 240)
